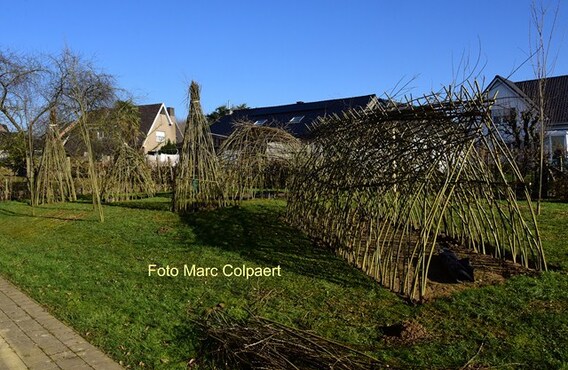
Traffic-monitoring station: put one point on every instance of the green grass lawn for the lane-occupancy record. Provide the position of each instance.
(95, 277)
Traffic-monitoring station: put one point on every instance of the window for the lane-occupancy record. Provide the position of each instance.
(160, 136)
(297, 119)
(260, 122)
(558, 144)
(504, 115)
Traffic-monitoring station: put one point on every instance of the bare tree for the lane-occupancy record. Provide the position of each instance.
(540, 38)
(32, 86)
(85, 91)
(29, 89)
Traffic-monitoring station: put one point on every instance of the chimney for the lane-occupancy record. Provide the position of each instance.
(171, 112)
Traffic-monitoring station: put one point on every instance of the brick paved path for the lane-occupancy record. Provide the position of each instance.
(30, 338)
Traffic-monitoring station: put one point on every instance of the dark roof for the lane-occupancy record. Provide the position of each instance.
(148, 114)
(555, 96)
(280, 116)
(3, 127)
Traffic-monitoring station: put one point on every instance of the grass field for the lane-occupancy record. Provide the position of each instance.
(95, 277)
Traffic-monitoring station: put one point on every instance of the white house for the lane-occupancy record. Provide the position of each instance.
(513, 99)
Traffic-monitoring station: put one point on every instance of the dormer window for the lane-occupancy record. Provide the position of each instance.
(297, 119)
(260, 122)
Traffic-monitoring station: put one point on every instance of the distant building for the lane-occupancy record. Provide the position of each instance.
(296, 118)
(516, 98)
(158, 125)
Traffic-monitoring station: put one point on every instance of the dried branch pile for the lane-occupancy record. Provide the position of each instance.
(381, 186)
(54, 182)
(259, 343)
(256, 157)
(197, 183)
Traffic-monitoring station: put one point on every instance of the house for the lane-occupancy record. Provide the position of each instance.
(158, 125)
(3, 128)
(513, 99)
(296, 118)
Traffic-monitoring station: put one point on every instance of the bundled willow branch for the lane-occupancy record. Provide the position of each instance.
(54, 182)
(382, 185)
(260, 343)
(197, 182)
(256, 157)
(129, 177)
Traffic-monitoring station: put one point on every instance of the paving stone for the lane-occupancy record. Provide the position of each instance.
(73, 363)
(8, 358)
(30, 338)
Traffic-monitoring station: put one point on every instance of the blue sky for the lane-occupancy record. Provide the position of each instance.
(278, 52)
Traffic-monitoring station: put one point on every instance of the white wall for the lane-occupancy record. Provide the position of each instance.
(507, 98)
(171, 159)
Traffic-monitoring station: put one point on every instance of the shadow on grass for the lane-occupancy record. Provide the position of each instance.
(160, 202)
(260, 234)
(135, 204)
(7, 212)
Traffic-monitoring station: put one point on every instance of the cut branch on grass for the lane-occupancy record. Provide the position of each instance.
(260, 343)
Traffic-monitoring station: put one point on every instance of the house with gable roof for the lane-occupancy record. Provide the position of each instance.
(516, 98)
(158, 125)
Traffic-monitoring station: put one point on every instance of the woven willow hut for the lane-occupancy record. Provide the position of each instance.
(197, 179)
(382, 186)
(256, 157)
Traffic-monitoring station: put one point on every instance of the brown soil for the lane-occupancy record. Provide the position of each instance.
(488, 270)
(405, 332)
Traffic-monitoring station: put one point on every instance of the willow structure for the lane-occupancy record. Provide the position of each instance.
(381, 186)
(256, 157)
(54, 182)
(197, 183)
(129, 176)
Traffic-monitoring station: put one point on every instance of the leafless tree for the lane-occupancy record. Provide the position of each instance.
(29, 89)
(32, 86)
(85, 90)
(540, 39)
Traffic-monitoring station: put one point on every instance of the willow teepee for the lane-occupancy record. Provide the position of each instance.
(197, 182)
(129, 175)
(54, 182)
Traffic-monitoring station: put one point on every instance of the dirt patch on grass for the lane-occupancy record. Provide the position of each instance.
(488, 270)
(406, 332)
